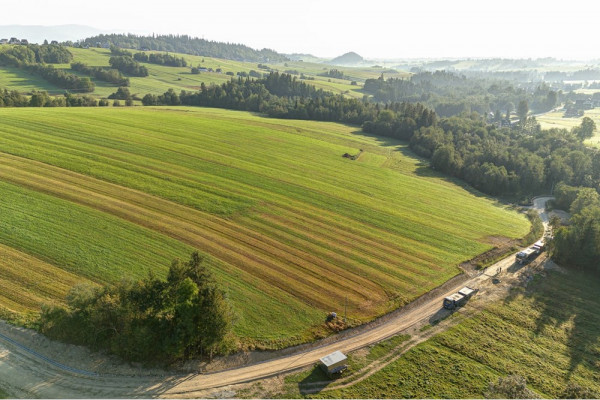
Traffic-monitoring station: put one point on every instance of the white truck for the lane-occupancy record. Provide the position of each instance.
(459, 298)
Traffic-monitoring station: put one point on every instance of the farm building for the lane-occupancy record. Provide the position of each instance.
(334, 363)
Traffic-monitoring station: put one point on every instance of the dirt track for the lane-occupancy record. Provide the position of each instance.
(33, 366)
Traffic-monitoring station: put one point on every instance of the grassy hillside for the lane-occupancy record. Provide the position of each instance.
(292, 227)
(162, 78)
(549, 334)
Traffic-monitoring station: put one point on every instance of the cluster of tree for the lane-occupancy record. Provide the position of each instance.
(252, 73)
(118, 51)
(187, 45)
(103, 74)
(161, 59)
(451, 94)
(33, 53)
(62, 78)
(122, 93)
(13, 99)
(151, 320)
(578, 244)
(25, 58)
(521, 160)
(284, 96)
(286, 85)
(400, 120)
(51, 53)
(42, 99)
(128, 65)
(334, 73)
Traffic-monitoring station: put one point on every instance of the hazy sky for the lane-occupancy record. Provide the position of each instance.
(325, 28)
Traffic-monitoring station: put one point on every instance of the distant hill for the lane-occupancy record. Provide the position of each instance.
(39, 33)
(304, 57)
(187, 45)
(346, 59)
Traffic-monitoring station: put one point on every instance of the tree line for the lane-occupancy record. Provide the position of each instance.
(32, 59)
(104, 74)
(42, 99)
(450, 94)
(577, 244)
(160, 59)
(283, 96)
(151, 320)
(34, 53)
(507, 161)
(187, 45)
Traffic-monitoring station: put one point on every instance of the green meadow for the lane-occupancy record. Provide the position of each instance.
(292, 229)
(556, 120)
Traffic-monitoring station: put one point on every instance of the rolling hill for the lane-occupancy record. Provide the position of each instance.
(292, 228)
(214, 71)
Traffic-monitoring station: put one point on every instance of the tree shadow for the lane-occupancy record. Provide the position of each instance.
(572, 300)
(383, 140)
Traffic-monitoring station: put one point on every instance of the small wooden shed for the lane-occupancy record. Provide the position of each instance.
(334, 363)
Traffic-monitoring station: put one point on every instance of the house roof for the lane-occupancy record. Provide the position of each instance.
(333, 358)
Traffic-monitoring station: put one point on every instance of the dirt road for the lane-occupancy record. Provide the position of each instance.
(25, 372)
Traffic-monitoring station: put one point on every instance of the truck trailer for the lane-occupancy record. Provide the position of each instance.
(527, 255)
(459, 299)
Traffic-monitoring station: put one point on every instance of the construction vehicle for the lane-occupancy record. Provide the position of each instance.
(459, 298)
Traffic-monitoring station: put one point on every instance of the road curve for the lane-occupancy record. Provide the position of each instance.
(41, 377)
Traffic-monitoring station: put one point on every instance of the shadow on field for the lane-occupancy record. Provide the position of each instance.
(382, 140)
(569, 302)
(439, 316)
(315, 382)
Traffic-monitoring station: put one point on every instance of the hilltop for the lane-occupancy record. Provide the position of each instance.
(187, 45)
(348, 58)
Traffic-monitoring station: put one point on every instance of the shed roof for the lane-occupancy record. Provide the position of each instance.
(333, 358)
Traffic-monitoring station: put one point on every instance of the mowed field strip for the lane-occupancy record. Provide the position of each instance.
(291, 227)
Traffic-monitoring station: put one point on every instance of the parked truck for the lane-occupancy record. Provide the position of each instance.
(459, 298)
(527, 255)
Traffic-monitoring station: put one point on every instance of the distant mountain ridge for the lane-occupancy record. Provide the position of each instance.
(187, 45)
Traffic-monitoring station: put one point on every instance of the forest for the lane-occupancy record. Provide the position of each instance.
(187, 45)
(450, 94)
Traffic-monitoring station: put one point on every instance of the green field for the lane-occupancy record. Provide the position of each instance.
(162, 78)
(549, 334)
(292, 228)
(556, 120)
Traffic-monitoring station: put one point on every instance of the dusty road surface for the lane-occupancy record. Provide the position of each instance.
(33, 366)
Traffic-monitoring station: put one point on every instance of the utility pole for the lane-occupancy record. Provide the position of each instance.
(345, 309)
